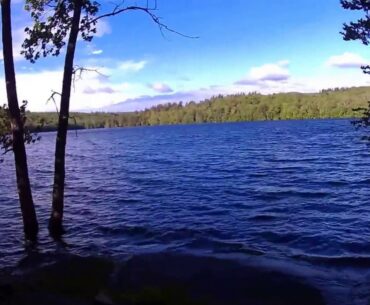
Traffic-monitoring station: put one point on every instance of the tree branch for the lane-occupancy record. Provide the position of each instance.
(78, 71)
(52, 98)
(156, 19)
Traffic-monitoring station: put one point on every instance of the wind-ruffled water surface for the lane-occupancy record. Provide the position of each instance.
(290, 190)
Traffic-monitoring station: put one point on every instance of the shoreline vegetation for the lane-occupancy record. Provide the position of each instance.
(330, 103)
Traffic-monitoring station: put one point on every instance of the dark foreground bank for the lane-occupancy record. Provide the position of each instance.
(151, 279)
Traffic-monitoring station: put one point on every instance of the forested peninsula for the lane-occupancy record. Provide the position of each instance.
(330, 103)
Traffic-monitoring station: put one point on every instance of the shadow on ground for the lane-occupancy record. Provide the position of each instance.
(157, 279)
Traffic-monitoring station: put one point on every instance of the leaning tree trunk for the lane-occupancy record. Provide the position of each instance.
(23, 183)
(56, 218)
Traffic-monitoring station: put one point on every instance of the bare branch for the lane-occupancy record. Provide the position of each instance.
(52, 98)
(6, 150)
(75, 120)
(78, 71)
(156, 19)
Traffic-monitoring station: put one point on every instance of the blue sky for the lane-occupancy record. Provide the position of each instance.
(243, 46)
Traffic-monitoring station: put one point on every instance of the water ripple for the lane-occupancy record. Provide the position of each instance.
(292, 189)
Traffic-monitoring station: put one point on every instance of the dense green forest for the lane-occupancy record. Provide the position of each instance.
(331, 103)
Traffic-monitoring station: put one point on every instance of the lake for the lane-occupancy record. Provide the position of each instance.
(293, 194)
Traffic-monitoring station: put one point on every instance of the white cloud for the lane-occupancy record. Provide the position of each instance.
(275, 72)
(132, 66)
(270, 72)
(160, 87)
(93, 91)
(35, 88)
(96, 91)
(347, 60)
(102, 28)
(88, 93)
(294, 83)
(96, 52)
(338, 80)
(18, 37)
(313, 83)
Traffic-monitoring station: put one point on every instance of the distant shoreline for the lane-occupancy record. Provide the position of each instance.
(336, 103)
(77, 128)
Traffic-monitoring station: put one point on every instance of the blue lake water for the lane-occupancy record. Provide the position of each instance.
(296, 192)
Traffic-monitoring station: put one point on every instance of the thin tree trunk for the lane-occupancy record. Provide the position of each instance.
(56, 218)
(23, 183)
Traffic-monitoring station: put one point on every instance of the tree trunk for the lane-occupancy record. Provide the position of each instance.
(56, 218)
(23, 183)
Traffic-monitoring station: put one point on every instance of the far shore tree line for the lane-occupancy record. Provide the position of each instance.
(56, 25)
(330, 103)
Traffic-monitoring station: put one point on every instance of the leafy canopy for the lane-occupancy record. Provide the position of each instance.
(6, 138)
(359, 29)
(52, 20)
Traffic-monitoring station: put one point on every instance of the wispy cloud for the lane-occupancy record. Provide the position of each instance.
(132, 66)
(108, 90)
(347, 60)
(96, 52)
(160, 87)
